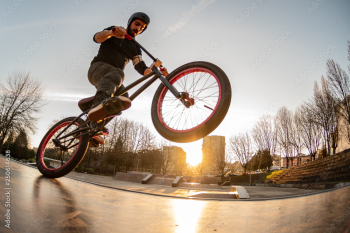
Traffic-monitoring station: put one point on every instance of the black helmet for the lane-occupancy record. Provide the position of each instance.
(141, 16)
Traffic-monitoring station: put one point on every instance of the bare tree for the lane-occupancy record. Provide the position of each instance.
(265, 134)
(311, 133)
(339, 85)
(236, 167)
(222, 160)
(20, 100)
(167, 156)
(297, 139)
(200, 169)
(285, 134)
(241, 146)
(322, 110)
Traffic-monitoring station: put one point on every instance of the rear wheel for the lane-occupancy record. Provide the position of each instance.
(207, 97)
(57, 158)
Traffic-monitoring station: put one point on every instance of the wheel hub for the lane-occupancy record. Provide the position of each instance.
(186, 100)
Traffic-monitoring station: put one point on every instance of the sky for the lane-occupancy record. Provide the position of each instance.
(272, 51)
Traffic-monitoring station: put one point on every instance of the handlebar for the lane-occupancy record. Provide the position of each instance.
(128, 37)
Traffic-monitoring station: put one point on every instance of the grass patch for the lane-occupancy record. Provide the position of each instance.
(256, 178)
(273, 174)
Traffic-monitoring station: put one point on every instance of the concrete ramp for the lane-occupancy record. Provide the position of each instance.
(239, 192)
(135, 177)
(161, 180)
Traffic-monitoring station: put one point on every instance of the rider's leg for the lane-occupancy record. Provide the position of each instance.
(106, 79)
(126, 94)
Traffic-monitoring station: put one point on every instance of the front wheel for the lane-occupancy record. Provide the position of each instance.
(55, 161)
(208, 97)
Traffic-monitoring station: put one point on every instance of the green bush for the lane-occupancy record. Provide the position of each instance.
(32, 160)
(91, 171)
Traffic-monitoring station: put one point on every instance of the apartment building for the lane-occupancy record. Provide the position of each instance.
(213, 150)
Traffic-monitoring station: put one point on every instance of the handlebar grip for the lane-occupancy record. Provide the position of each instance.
(128, 37)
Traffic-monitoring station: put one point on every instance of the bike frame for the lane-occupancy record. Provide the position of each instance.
(153, 76)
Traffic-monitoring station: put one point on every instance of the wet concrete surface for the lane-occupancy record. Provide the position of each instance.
(38, 204)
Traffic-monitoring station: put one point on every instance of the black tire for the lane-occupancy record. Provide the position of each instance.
(218, 106)
(53, 155)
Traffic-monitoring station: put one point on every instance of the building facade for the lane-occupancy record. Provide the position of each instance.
(298, 160)
(213, 151)
(174, 160)
(343, 134)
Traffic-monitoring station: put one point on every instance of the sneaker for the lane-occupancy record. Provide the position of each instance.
(93, 143)
(99, 139)
(110, 106)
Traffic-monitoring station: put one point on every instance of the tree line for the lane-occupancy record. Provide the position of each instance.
(130, 145)
(319, 123)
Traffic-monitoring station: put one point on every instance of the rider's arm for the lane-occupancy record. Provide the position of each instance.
(140, 65)
(107, 33)
(147, 71)
(102, 36)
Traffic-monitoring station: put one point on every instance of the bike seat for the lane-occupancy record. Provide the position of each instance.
(85, 104)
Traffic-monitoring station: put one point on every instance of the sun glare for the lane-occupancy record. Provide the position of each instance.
(193, 158)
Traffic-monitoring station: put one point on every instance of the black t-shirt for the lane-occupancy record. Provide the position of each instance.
(118, 52)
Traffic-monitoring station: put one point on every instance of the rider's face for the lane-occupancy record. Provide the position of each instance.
(136, 27)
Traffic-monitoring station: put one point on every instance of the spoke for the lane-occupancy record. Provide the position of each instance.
(211, 95)
(185, 123)
(177, 118)
(183, 87)
(208, 104)
(171, 100)
(196, 83)
(173, 117)
(73, 145)
(207, 88)
(194, 78)
(180, 119)
(191, 117)
(203, 86)
(208, 107)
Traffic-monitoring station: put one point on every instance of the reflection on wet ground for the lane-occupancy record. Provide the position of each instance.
(46, 205)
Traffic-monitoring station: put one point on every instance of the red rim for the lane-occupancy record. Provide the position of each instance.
(47, 139)
(172, 81)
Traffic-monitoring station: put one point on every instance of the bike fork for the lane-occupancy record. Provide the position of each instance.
(173, 90)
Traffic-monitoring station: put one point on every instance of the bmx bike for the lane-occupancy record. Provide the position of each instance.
(189, 104)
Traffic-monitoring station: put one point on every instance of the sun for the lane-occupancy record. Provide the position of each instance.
(194, 158)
